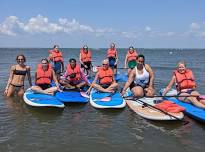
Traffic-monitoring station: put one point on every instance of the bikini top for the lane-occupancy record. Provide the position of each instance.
(19, 72)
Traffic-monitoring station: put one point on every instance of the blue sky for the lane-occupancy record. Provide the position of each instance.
(72, 23)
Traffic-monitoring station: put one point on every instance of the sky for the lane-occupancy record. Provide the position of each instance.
(97, 23)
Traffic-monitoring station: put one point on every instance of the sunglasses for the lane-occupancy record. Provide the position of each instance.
(20, 59)
(104, 64)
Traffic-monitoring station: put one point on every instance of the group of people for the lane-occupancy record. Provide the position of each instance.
(140, 75)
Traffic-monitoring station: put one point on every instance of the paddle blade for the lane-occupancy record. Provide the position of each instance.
(83, 94)
(202, 96)
(106, 99)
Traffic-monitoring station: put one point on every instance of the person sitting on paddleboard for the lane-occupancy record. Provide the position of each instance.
(141, 79)
(43, 78)
(85, 59)
(112, 57)
(105, 79)
(131, 59)
(73, 78)
(17, 76)
(56, 57)
(185, 83)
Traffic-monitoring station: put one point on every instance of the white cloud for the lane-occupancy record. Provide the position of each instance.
(41, 24)
(195, 26)
(148, 29)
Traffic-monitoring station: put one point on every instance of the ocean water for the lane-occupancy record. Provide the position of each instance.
(83, 128)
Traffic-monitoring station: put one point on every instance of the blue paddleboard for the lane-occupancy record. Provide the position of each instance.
(71, 96)
(191, 110)
(116, 100)
(41, 100)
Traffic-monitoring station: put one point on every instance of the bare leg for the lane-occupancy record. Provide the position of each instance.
(112, 87)
(21, 92)
(10, 91)
(38, 89)
(138, 91)
(98, 87)
(82, 84)
(192, 100)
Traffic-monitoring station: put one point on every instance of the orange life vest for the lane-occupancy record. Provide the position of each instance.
(57, 56)
(75, 71)
(105, 76)
(131, 56)
(85, 57)
(43, 77)
(184, 80)
(169, 106)
(111, 53)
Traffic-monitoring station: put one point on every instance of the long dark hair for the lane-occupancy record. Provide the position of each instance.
(24, 58)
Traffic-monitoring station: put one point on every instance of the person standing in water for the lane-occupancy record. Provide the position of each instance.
(57, 58)
(112, 57)
(17, 76)
(85, 59)
(131, 59)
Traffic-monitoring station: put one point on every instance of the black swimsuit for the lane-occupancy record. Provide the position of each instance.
(18, 72)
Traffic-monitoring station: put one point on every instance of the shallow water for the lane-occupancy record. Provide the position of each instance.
(83, 128)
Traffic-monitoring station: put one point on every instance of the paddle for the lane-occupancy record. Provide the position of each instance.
(146, 104)
(85, 95)
(176, 96)
(108, 98)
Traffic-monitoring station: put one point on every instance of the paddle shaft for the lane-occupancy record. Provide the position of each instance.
(185, 122)
(172, 96)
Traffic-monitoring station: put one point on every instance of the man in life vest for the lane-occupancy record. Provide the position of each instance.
(105, 79)
(86, 59)
(73, 78)
(131, 59)
(43, 77)
(112, 57)
(56, 57)
(185, 83)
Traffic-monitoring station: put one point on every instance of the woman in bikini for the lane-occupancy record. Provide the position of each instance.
(17, 76)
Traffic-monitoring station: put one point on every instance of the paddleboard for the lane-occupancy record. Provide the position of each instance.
(41, 100)
(71, 96)
(116, 100)
(150, 113)
(190, 109)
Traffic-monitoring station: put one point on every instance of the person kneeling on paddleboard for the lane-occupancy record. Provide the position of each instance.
(105, 78)
(141, 79)
(43, 78)
(73, 78)
(185, 83)
(86, 59)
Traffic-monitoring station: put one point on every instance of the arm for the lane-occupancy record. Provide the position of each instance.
(80, 59)
(55, 80)
(125, 62)
(29, 75)
(130, 80)
(151, 73)
(169, 86)
(10, 78)
(116, 58)
(91, 86)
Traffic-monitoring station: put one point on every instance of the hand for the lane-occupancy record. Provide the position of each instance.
(6, 91)
(87, 92)
(125, 66)
(123, 93)
(86, 66)
(59, 89)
